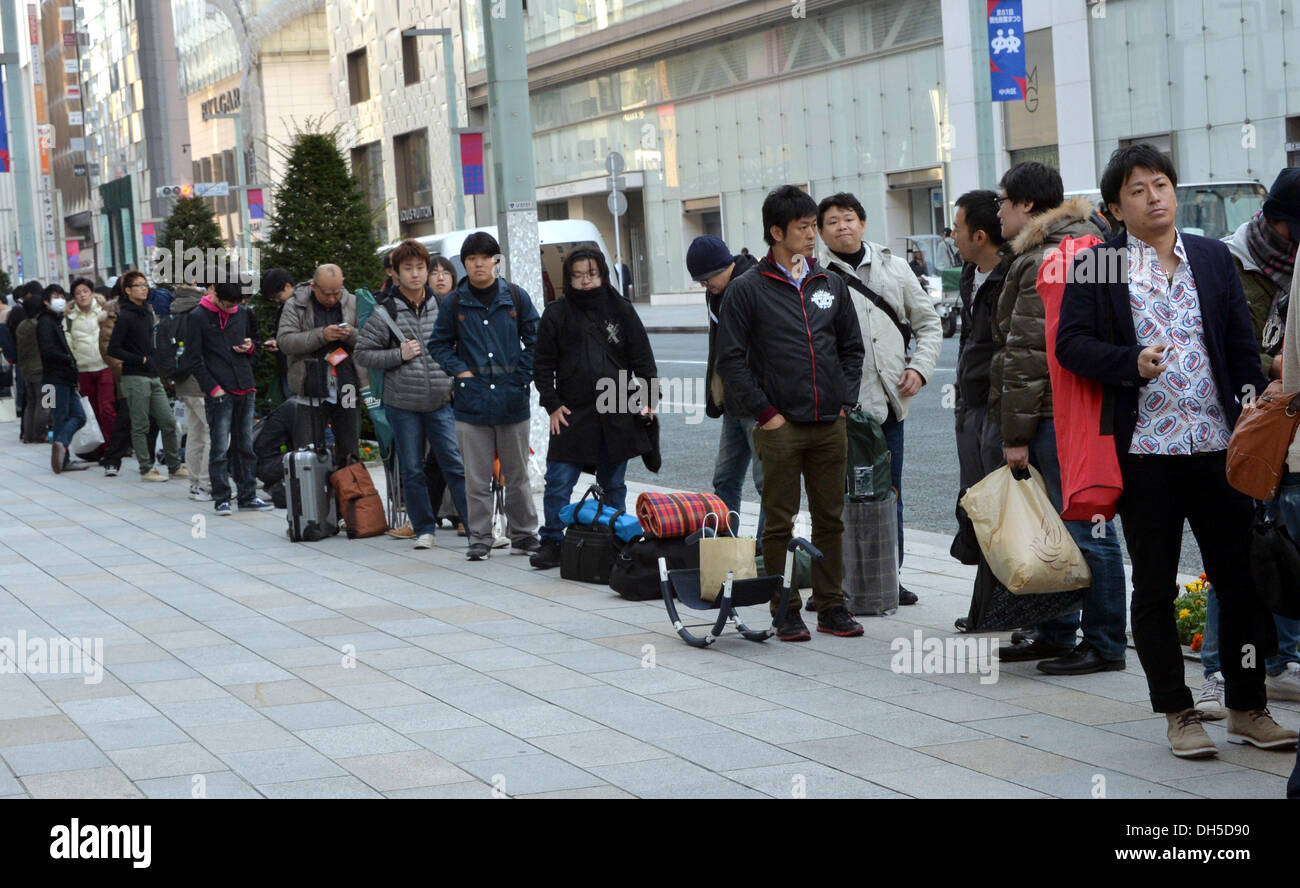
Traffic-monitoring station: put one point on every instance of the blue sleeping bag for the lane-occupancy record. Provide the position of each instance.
(585, 511)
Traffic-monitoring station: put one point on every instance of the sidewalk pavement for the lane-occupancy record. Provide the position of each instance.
(673, 318)
(238, 664)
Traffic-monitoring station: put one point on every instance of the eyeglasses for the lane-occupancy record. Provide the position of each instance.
(999, 201)
(138, 284)
(584, 276)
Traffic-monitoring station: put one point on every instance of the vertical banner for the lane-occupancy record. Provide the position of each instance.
(147, 237)
(4, 135)
(45, 137)
(471, 162)
(256, 210)
(74, 255)
(1007, 64)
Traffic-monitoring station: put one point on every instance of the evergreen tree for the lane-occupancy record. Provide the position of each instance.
(321, 215)
(191, 225)
(6, 286)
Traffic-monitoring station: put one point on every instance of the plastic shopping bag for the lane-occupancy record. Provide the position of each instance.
(88, 438)
(1022, 536)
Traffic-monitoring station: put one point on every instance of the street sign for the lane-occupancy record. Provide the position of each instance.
(211, 189)
(617, 203)
(79, 170)
(616, 183)
(521, 205)
(614, 163)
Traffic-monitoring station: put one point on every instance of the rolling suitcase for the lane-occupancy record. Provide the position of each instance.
(308, 494)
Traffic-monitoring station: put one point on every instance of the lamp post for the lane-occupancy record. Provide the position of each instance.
(449, 75)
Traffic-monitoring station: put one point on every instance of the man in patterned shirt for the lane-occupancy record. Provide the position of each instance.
(1172, 341)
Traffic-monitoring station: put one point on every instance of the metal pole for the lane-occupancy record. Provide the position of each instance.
(243, 193)
(85, 142)
(618, 257)
(449, 69)
(979, 25)
(20, 151)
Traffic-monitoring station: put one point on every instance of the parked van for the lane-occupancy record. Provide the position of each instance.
(558, 239)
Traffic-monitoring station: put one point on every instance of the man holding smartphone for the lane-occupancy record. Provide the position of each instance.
(317, 335)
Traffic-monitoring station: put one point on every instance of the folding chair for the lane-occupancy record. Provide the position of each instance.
(684, 586)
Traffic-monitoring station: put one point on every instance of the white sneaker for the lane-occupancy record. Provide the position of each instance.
(198, 494)
(424, 541)
(1210, 703)
(110, 472)
(1285, 685)
(501, 542)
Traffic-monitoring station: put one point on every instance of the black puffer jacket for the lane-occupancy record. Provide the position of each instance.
(714, 405)
(975, 353)
(793, 351)
(583, 342)
(132, 341)
(60, 367)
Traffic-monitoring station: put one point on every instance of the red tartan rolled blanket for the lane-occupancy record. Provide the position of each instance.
(671, 515)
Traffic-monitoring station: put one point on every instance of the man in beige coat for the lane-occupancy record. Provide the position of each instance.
(893, 313)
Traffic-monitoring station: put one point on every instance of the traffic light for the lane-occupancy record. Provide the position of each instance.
(175, 191)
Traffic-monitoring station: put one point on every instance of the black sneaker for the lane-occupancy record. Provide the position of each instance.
(525, 546)
(478, 552)
(905, 595)
(793, 629)
(838, 621)
(547, 555)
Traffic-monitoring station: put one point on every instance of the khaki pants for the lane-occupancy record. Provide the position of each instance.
(196, 439)
(145, 400)
(478, 445)
(814, 452)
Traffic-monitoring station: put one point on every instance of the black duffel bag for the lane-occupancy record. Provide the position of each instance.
(587, 553)
(635, 574)
(1275, 564)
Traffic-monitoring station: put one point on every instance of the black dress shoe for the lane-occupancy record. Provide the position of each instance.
(1031, 650)
(1083, 660)
(1027, 635)
(962, 623)
(905, 596)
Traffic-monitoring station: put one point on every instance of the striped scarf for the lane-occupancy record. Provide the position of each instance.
(1272, 252)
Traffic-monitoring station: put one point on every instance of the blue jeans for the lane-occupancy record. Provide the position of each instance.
(1286, 508)
(68, 415)
(893, 429)
(230, 447)
(735, 456)
(560, 479)
(412, 432)
(1104, 601)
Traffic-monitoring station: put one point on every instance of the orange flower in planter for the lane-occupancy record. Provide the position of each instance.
(1196, 642)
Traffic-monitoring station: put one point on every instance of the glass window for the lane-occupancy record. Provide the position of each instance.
(358, 77)
(411, 154)
(411, 60)
(368, 167)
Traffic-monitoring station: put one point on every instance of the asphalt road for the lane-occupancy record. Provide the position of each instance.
(689, 440)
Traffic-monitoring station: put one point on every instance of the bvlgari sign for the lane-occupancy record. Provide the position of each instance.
(225, 103)
(415, 214)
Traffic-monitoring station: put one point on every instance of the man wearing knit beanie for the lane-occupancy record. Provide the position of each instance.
(709, 261)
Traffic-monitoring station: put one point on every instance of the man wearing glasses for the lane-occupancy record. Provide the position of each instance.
(318, 332)
(132, 343)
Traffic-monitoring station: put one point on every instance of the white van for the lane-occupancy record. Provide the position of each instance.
(1210, 209)
(558, 239)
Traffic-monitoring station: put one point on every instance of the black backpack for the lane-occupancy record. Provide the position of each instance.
(169, 347)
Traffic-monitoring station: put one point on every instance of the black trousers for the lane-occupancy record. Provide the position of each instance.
(1159, 493)
(309, 429)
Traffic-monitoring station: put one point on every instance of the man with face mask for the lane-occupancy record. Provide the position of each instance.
(60, 373)
(586, 340)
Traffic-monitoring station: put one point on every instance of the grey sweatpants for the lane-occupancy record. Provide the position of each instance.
(478, 445)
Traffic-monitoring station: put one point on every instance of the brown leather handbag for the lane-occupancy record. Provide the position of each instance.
(1257, 451)
(359, 502)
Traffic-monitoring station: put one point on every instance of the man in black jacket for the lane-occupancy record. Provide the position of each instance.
(219, 355)
(710, 262)
(132, 343)
(1169, 333)
(60, 374)
(790, 354)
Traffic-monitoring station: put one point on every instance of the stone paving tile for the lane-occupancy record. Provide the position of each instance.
(198, 713)
(599, 747)
(727, 751)
(278, 693)
(1082, 783)
(184, 690)
(946, 781)
(65, 689)
(782, 726)
(171, 760)
(673, 778)
(38, 729)
(538, 720)
(379, 696)
(1000, 758)
(592, 792)
(404, 770)
(470, 789)
(281, 765)
(210, 785)
(324, 788)
(98, 783)
(243, 737)
(524, 774)
(346, 741)
(1085, 708)
(47, 758)
(421, 717)
(462, 745)
(712, 700)
(134, 732)
(808, 780)
(1238, 785)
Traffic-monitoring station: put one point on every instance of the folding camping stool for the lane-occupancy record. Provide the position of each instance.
(684, 586)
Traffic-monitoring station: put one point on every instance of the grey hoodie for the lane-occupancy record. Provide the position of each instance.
(187, 299)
